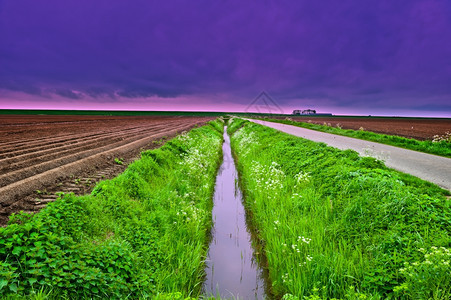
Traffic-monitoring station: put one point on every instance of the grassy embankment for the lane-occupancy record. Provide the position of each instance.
(143, 234)
(336, 225)
(442, 145)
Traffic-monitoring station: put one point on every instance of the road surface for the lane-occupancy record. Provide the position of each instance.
(429, 167)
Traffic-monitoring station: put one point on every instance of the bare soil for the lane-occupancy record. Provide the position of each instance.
(417, 128)
(41, 156)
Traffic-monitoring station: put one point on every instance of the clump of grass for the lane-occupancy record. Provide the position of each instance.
(439, 145)
(143, 234)
(336, 225)
(119, 161)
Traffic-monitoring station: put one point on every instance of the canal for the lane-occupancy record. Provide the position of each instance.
(232, 269)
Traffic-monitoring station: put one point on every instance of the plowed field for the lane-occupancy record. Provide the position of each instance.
(417, 128)
(43, 155)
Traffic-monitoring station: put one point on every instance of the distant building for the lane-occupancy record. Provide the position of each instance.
(304, 112)
(309, 112)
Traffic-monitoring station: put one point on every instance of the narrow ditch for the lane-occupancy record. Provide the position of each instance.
(231, 267)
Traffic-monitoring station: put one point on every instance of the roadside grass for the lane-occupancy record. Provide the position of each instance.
(336, 225)
(441, 145)
(143, 234)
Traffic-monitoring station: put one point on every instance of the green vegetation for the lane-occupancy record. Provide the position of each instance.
(119, 161)
(143, 234)
(336, 225)
(441, 145)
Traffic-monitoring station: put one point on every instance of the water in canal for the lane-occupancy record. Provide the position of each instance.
(232, 270)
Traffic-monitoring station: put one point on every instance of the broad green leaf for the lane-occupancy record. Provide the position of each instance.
(17, 250)
(3, 283)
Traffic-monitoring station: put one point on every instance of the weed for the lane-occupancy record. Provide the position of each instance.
(158, 142)
(88, 182)
(119, 161)
(60, 194)
(39, 192)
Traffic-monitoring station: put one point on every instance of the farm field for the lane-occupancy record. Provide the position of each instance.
(417, 128)
(43, 155)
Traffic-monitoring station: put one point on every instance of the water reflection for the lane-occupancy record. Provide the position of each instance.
(232, 271)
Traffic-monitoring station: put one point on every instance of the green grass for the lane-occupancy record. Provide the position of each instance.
(143, 234)
(336, 225)
(442, 148)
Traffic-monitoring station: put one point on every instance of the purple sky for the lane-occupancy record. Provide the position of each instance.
(381, 57)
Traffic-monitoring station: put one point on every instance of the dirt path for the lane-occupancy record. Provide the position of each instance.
(429, 167)
(43, 156)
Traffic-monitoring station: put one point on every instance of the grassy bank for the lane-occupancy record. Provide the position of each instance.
(336, 225)
(143, 234)
(441, 146)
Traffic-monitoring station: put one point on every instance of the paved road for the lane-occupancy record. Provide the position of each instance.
(429, 167)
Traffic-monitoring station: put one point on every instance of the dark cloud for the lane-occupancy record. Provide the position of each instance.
(434, 107)
(20, 86)
(66, 93)
(349, 52)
